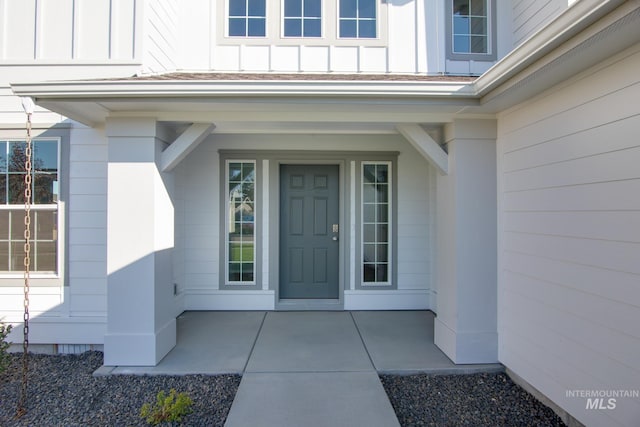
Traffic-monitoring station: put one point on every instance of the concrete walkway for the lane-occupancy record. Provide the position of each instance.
(306, 368)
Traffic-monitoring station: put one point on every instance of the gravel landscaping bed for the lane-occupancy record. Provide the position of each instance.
(465, 400)
(63, 392)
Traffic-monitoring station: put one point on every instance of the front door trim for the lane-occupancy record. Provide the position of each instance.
(308, 304)
(268, 243)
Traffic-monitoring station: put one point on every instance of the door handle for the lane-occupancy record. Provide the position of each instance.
(334, 238)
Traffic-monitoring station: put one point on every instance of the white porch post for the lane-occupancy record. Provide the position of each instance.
(466, 322)
(141, 322)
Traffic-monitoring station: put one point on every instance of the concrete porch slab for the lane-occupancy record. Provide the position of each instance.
(311, 399)
(210, 342)
(401, 342)
(309, 342)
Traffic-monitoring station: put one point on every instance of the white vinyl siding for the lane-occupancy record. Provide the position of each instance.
(529, 16)
(569, 235)
(64, 30)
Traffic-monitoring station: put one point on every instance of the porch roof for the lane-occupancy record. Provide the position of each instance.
(215, 97)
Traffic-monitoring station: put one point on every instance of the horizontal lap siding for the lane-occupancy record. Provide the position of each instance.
(529, 16)
(570, 240)
(87, 226)
(415, 233)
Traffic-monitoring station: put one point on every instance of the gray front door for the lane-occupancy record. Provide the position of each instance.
(309, 215)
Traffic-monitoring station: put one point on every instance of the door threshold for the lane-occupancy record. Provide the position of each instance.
(309, 304)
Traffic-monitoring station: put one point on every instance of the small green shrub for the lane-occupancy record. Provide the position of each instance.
(4, 346)
(167, 408)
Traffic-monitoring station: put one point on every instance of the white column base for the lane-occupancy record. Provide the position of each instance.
(139, 349)
(466, 347)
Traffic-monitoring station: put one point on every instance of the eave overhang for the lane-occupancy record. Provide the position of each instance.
(586, 33)
(91, 102)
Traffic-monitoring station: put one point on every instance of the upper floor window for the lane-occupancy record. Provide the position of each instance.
(302, 18)
(470, 26)
(471, 30)
(247, 18)
(318, 22)
(358, 19)
(44, 211)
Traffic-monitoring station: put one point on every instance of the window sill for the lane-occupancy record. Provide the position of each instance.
(301, 41)
(37, 280)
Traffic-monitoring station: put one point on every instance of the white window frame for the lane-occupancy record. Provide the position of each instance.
(275, 28)
(41, 207)
(227, 221)
(390, 219)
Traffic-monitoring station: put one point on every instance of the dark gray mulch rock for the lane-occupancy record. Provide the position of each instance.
(63, 392)
(465, 400)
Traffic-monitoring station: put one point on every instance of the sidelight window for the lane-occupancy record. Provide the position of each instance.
(241, 221)
(376, 223)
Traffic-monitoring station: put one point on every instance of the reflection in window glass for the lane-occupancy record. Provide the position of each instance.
(44, 240)
(247, 18)
(44, 210)
(358, 19)
(470, 26)
(45, 172)
(302, 18)
(375, 222)
(241, 222)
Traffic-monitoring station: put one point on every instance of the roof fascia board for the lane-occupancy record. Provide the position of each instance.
(200, 88)
(574, 20)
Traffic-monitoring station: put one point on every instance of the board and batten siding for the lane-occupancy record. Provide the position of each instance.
(402, 50)
(569, 233)
(68, 30)
(198, 217)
